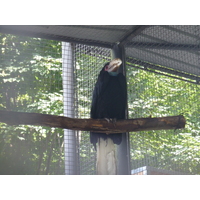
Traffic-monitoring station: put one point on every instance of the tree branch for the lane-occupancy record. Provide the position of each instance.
(95, 125)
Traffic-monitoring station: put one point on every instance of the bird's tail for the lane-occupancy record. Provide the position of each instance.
(106, 157)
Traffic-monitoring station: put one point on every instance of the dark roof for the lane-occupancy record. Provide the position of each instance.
(174, 47)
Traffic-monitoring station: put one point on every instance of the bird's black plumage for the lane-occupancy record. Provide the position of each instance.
(108, 101)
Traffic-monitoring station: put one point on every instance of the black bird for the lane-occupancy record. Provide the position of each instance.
(109, 101)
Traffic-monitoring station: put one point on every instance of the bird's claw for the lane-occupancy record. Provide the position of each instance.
(108, 120)
(112, 120)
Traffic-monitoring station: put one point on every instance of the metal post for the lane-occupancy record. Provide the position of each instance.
(123, 151)
(68, 96)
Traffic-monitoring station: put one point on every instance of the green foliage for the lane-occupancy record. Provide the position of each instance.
(30, 81)
(154, 95)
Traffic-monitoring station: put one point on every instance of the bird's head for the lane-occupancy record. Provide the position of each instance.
(113, 66)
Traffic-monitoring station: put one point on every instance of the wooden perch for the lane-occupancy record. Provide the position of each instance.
(95, 125)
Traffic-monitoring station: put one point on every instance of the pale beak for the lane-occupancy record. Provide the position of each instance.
(114, 65)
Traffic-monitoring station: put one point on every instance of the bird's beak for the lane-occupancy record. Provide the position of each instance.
(114, 65)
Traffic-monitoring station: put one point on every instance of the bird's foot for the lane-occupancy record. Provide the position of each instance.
(112, 120)
(108, 119)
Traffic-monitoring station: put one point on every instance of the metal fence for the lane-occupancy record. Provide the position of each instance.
(152, 95)
(89, 61)
(33, 79)
(155, 90)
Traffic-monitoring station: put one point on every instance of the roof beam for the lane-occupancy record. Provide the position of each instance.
(11, 30)
(170, 46)
(132, 33)
(147, 66)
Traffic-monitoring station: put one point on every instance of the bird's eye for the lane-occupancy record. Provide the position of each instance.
(106, 68)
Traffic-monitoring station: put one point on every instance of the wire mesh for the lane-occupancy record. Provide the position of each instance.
(169, 49)
(30, 81)
(89, 61)
(154, 92)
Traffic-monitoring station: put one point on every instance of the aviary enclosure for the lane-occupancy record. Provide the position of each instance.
(35, 77)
